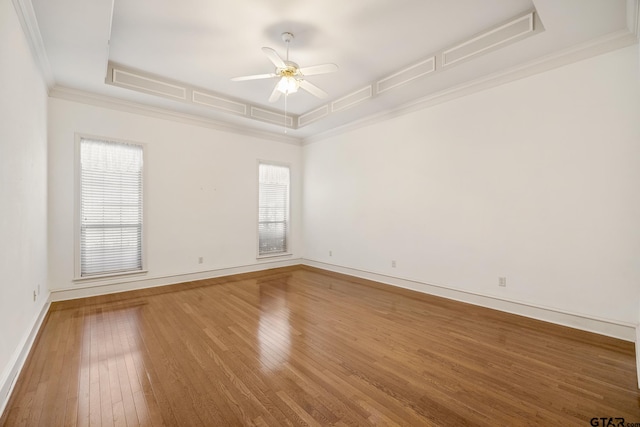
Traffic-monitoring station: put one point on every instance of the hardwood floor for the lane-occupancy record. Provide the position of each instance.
(299, 346)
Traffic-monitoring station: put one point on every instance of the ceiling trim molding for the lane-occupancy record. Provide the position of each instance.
(273, 117)
(478, 44)
(75, 95)
(517, 28)
(407, 74)
(139, 82)
(27, 17)
(602, 45)
(153, 84)
(313, 115)
(352, 99)
(493, 38)
(224, 104)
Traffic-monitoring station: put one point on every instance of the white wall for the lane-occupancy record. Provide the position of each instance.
(535, 180)
(638, 324)
(638, 346)
(200, 192)
(23, 194)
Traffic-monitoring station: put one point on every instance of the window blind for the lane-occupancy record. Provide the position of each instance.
(111, 207)
(273, 209)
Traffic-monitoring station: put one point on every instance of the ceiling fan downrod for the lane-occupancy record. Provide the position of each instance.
(287, 37)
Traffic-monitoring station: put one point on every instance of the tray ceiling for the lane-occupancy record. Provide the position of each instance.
(392, 54)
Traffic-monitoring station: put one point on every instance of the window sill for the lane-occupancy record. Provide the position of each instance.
(110, 276)
(281, 255)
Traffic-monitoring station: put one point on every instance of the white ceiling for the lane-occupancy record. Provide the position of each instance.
(206, 43)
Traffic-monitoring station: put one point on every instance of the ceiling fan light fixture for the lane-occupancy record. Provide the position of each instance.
(288, 85)
(291, 76)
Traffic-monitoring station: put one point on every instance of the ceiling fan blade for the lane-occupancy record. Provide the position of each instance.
(274, 57)
(318, 69)
(275, 95)
(254, 77)
(313, 89)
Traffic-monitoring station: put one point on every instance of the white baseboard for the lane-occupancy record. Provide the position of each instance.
(612, 328)
(16, 363)
(123, 284)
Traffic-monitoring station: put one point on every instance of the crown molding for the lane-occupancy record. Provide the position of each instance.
(607, 43)
(83, 97)
(27, 17)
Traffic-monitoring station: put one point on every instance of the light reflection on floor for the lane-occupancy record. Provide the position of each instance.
(112, 374)
(274, 330)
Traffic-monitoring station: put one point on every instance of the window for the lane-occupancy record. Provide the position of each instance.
(110, 207)
(273, 209)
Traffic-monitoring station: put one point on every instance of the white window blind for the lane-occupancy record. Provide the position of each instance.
(273, 209)
(111, 207)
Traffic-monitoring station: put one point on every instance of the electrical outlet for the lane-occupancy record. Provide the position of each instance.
(330, 253)
(200, 260)
(393, 263)
(502, 282)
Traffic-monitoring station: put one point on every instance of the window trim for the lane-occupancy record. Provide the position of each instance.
(77, 211)
(288, 252)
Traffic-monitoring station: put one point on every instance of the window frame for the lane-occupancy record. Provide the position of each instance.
(289, 240)
(77, 222)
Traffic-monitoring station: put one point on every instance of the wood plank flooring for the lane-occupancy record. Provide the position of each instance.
(299, 346)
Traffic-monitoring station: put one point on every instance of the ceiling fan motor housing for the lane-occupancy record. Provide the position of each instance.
(292, 69)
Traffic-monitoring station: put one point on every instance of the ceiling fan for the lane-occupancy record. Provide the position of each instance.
(291, 75)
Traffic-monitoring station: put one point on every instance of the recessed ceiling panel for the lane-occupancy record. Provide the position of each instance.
(191, 49)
